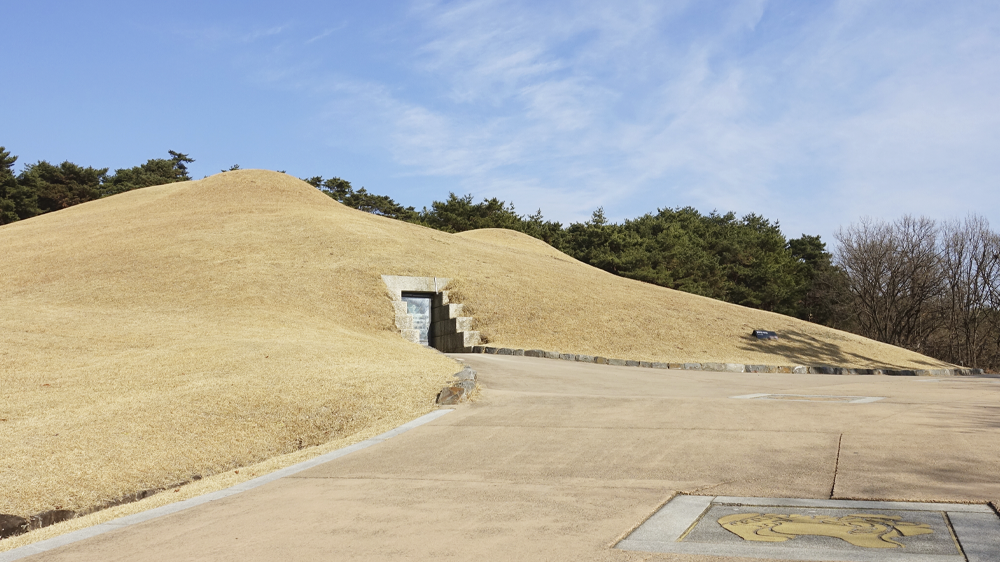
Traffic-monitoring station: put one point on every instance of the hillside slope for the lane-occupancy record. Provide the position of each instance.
(196, 327)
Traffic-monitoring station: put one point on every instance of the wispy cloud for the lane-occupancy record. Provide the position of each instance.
(229, 34)
(809, 113)
(813, 113)
(325, 33)
(256, 34)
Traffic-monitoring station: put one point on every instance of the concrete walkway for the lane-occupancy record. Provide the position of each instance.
(558, 460)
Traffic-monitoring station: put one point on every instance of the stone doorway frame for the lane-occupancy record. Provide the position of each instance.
(450, 332)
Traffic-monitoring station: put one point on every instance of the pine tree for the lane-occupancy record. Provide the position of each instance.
(16, 201)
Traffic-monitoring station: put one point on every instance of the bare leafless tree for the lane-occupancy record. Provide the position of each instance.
(966, 256)
(989, 273)
(894, 272)
(934, 289)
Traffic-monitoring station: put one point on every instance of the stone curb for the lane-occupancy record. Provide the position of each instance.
(725, 367)
(461, 389)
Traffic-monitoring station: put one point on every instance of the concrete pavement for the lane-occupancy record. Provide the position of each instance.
(559, 460)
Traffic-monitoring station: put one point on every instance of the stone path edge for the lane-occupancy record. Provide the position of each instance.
(460, 389)
(724, 367)
(128, 520)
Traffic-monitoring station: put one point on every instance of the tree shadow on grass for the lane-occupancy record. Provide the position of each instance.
(798, 348)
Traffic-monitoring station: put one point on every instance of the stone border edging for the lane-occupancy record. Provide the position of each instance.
(460, 390)
(724, 367)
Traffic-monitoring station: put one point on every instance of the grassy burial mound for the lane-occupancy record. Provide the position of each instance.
(192, 328)
(526, 294)
(189, 329)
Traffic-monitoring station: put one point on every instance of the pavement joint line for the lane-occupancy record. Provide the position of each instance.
(697, 491)
(860, 504)
(613, 427)
(128, 520)
(616, 486)
(836, 465)
(806, 397)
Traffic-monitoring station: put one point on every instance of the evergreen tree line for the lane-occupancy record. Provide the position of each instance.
(927, 286)
(43, 187)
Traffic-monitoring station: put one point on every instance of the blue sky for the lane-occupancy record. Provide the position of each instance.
(810, 113)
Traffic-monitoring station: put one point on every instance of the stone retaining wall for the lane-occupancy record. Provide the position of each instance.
(451, 332)
(724, 367)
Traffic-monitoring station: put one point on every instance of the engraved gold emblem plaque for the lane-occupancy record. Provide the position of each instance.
(869, 530)
(810, 530)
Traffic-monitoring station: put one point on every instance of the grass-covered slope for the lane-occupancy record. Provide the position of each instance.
(194, 327)
(532, 296)
(190, 328)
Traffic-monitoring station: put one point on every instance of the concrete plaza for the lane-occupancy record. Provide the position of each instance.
(559, 460)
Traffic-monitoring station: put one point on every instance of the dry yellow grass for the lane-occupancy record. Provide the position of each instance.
(196, 327)
(206, 485)
(526, 294)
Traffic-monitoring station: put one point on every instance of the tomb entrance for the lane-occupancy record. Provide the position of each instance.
(425, 315)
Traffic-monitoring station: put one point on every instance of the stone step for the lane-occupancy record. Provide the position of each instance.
(452, 326)
(410, 335)
(404, 322)
(448, 311)
(461, 342)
